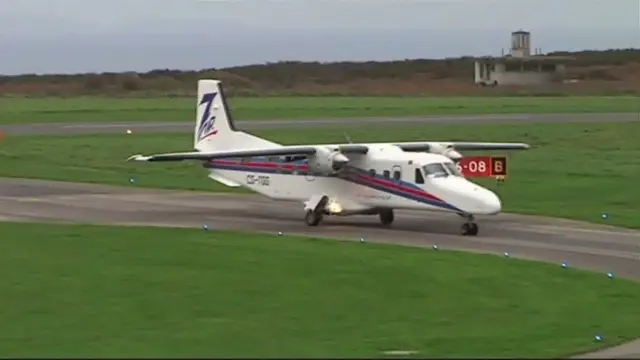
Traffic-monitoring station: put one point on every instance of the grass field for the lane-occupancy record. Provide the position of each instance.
(22, 110)
(575, 171)
(150, 292)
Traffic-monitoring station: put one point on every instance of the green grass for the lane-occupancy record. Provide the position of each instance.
(575, 171)
(149, 292)
(23, 110)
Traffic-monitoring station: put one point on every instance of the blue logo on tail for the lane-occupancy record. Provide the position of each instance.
(207, 121)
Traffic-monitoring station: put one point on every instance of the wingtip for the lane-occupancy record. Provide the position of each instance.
(138, 157)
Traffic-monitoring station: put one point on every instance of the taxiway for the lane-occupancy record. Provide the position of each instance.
(187, 126)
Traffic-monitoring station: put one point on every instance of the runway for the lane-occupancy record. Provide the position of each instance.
(187, 126)
(596, 247)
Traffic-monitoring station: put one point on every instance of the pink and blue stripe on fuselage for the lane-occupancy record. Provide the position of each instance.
(352, 174)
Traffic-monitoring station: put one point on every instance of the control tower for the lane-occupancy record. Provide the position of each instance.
(520, 66)
(520, 44)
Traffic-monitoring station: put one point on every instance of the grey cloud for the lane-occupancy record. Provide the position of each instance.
(86, 35)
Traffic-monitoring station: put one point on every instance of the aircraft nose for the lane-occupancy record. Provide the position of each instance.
(491, 203)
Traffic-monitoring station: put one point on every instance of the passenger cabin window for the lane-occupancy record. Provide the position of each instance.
(419, 177)
(435, 170)
(386, 174)
(397, 175)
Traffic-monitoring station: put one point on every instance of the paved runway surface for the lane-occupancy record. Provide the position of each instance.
(599, 248)
(187, 126)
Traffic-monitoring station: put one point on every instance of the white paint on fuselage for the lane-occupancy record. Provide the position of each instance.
(459, 193)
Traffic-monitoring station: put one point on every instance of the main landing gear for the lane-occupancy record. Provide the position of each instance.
(313, 218)
(315, 209)
(386, 216)
(470, 228)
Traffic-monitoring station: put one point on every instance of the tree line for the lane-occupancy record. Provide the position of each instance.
(610, 71)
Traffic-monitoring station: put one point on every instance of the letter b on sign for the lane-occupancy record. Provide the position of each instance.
(499, 166)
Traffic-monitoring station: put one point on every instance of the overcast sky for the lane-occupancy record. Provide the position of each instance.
(64, 36)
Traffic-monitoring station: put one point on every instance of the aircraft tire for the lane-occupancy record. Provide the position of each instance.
(386, 217)
(312, 218)
(469, 229)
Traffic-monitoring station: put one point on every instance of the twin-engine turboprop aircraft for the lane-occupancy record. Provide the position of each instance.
(337, 179)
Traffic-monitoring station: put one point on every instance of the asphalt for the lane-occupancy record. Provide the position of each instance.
(596, 247)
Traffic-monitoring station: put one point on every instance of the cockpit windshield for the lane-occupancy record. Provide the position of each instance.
(453, 169)
(441, 170)
(435, 170)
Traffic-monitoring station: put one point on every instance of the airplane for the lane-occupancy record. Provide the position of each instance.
(337, 179)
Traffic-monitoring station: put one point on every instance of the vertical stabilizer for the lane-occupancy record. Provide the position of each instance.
(215, 129)
(212, 117)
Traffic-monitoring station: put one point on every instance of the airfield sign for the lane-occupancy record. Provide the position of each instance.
(483, 166)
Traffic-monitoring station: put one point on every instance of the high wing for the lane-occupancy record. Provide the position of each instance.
(308, 150)
(305, 150)
(426, 146)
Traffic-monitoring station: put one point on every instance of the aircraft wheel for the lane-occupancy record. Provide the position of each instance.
(386, 217)
(312, 218)
(469, 229)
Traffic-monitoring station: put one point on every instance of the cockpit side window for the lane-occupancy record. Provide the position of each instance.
(452, 168)
(435, 170)
(419, 177)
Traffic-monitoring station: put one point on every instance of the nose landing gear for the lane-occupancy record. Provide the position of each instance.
(470, 228)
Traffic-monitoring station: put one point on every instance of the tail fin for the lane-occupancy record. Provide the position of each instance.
(215, 129)
(212, 115)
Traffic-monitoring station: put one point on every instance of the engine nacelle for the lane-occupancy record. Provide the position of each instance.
(446, 151)
(327, 162)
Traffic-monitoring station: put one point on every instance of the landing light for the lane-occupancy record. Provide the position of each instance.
(334, 207)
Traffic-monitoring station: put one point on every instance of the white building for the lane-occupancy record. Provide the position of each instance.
(519, 67)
